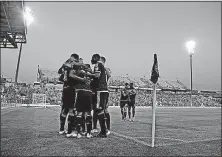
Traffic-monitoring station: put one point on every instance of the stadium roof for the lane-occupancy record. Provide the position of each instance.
(12, 24)
(119, 81)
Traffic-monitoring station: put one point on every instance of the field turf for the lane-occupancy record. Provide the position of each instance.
(179, 132)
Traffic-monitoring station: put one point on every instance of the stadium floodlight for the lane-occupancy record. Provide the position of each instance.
(28, 15)
(29, 18)
(190, 45)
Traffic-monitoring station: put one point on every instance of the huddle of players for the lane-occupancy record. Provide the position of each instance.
(127, 99)
(84, 90)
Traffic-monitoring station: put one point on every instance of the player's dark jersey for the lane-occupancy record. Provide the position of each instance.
(68, 81)
(132, 94)
(101, 82)
(93, 85)
(124, 95)
(82, 85)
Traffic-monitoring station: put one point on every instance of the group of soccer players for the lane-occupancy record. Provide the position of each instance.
(84, 90)
(127, 100)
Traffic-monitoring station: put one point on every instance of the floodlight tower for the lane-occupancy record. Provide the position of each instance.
(190, 45)
(29, 17)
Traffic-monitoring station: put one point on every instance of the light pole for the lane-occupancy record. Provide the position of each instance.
(190, 45)
(29, 17)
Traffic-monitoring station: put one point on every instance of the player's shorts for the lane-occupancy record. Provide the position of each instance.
(123, 103)
(68, 97)
(83, 101)
(131, 103)
(102, 99)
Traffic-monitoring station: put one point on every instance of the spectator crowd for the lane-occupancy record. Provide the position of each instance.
(24, 94)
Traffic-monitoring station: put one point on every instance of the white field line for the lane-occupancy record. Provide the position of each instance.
(130, 138)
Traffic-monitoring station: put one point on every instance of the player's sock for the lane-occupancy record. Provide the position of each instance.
(122, 113)
(74, 123)
(125, 115)
(108, 121)
(70, 123)
(89, 123)
(83, 124)
(79, 123)
(102, 124)
(134, 112)
(129, 114)
(62, 121)
(95, 119)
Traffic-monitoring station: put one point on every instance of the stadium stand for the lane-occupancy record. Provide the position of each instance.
(170, 93)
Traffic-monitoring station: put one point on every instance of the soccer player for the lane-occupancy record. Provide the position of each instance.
(83, 103)
(107, 115)
(132, 97)
(108, 75)
(94, 102)
(124, 100)
(70, 63)
(102, 93)
(68, 97)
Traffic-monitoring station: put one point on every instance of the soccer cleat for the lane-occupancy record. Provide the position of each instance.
(133, 119)
(94, 131)
(108, 132)
(89, 135)
(79, 135)
(101, 135)
(69, 135)
(83, 133)
(62, 132)
(74, 134)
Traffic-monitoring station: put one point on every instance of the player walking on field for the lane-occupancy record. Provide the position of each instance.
(131, 105)
(124, 100)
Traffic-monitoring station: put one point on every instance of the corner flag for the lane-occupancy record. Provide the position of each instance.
(154, 79)
(155, 71)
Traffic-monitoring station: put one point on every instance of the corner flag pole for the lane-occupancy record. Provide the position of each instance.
(154, 115)
(154, 79)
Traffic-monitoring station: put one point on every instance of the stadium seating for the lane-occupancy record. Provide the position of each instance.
(23, 94)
